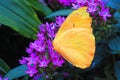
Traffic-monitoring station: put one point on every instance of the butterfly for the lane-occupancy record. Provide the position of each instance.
(74, 40)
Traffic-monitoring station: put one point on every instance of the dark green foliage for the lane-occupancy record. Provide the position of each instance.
(18, 15)
(44, 9)
(4, 68)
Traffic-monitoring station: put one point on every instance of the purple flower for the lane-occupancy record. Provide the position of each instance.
(104, 13)
(32, 59)
(57, 59)
(31, 70)
(50, 47)
(1, 78)
(5, 79)
(38, 76)
(42, 28)
(23, 60)
(76, 5)
(59, 20)
(29, 50)
(41, 36)
(99, 0)
(92, 6)
(65, 2)
(43, 62)
(79, 3)
(51, 29)
(83, 2)
(38, 45)
(41, 50)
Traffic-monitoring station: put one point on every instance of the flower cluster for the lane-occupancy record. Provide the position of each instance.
(94, 6)
(66, 2)
(41, 53)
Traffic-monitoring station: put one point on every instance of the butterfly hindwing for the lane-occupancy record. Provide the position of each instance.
(77, 47)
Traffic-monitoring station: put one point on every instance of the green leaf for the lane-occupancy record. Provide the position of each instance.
(3, 66)
(60, 13)
(16, 72)
(40, 7)
(2, 70)
(114, 43)
(117, 70)
(18, 15)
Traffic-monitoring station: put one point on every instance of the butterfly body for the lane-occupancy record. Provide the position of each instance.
(74, 40)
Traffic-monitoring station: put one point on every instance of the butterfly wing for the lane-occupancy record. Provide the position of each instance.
(74, 40)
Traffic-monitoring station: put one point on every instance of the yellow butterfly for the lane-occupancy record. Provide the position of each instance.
(74, 40)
